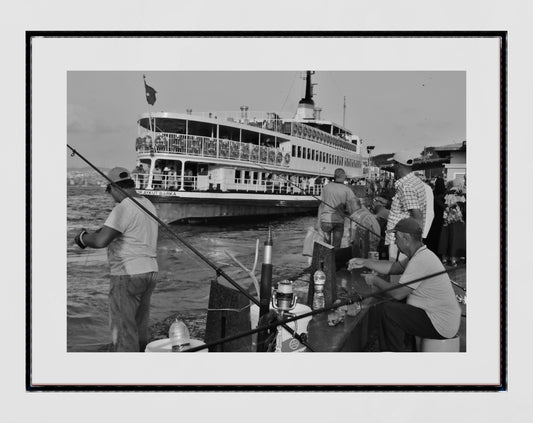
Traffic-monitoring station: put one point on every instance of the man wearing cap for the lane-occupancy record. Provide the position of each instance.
(409, 200)
(130, 236)
(430, 309)
(332, 210)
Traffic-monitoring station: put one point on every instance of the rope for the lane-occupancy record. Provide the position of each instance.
(217, 269)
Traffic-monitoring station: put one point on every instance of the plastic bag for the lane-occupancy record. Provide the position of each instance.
(309, 241)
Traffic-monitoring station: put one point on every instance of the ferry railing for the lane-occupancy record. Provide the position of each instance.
(194, 145)
(164, 182)
(172, 182)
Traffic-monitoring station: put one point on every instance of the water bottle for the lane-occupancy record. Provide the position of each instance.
(179, 336)
(319, 300)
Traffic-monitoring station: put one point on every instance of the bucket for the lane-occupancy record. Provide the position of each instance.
(164, 345)
(289, 344)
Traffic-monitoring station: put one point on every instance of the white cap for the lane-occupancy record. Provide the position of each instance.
(405, 157)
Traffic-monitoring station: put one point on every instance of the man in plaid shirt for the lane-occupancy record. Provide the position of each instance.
(410, 198)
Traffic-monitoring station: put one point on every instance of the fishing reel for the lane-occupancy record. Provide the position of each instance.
(283, 299)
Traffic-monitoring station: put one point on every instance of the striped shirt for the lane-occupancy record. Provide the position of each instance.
(410, 194)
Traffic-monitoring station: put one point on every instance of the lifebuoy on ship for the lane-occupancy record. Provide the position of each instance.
(287, 158)
(279, 158)
(271, 156)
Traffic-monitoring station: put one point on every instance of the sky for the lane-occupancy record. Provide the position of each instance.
(391, 110)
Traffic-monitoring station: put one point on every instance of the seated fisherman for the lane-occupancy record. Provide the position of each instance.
(430, 310)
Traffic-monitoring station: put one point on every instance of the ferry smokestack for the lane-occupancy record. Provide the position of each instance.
(308, 99)
(306, 106)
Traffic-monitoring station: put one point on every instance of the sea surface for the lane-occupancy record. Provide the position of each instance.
(184, 279)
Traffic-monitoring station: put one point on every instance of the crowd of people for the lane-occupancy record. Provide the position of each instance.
(412, 233)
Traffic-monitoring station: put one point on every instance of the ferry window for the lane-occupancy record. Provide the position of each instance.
(299, 151)
(304, 152)
(293, 151)
(313, 155)
(246, 175)
(201, 128)
(308, 153)
(237, 176)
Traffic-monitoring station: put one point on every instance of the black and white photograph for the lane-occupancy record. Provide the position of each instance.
(237, 165)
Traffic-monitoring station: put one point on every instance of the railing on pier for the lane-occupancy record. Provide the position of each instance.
(172, 182)
(212, 147)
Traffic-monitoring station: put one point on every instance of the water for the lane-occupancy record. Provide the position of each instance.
(184, 280)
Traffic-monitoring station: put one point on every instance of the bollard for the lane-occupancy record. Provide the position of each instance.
(228, 314)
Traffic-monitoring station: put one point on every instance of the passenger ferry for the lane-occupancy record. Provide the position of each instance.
(211, 165)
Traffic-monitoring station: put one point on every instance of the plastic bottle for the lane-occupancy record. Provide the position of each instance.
(319, 301)
(179, 336)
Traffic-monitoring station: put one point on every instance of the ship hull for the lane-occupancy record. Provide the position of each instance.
(175, 206)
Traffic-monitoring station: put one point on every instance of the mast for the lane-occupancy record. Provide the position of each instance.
(344, 113)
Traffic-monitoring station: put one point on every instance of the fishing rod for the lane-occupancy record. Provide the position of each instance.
(216, 268)
(339, 303)
(346, 215)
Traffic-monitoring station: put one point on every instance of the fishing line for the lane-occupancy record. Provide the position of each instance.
(290, 90)
(218, 269)
(340, 303)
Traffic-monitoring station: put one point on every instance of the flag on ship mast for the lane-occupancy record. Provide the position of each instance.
(150, 92)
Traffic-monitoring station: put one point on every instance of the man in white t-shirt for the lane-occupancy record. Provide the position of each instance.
(130, 236)
(430, 309)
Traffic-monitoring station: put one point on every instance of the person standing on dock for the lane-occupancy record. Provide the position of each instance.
(333, 207)
(430, 309)
(409, 200)
(131, 237)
